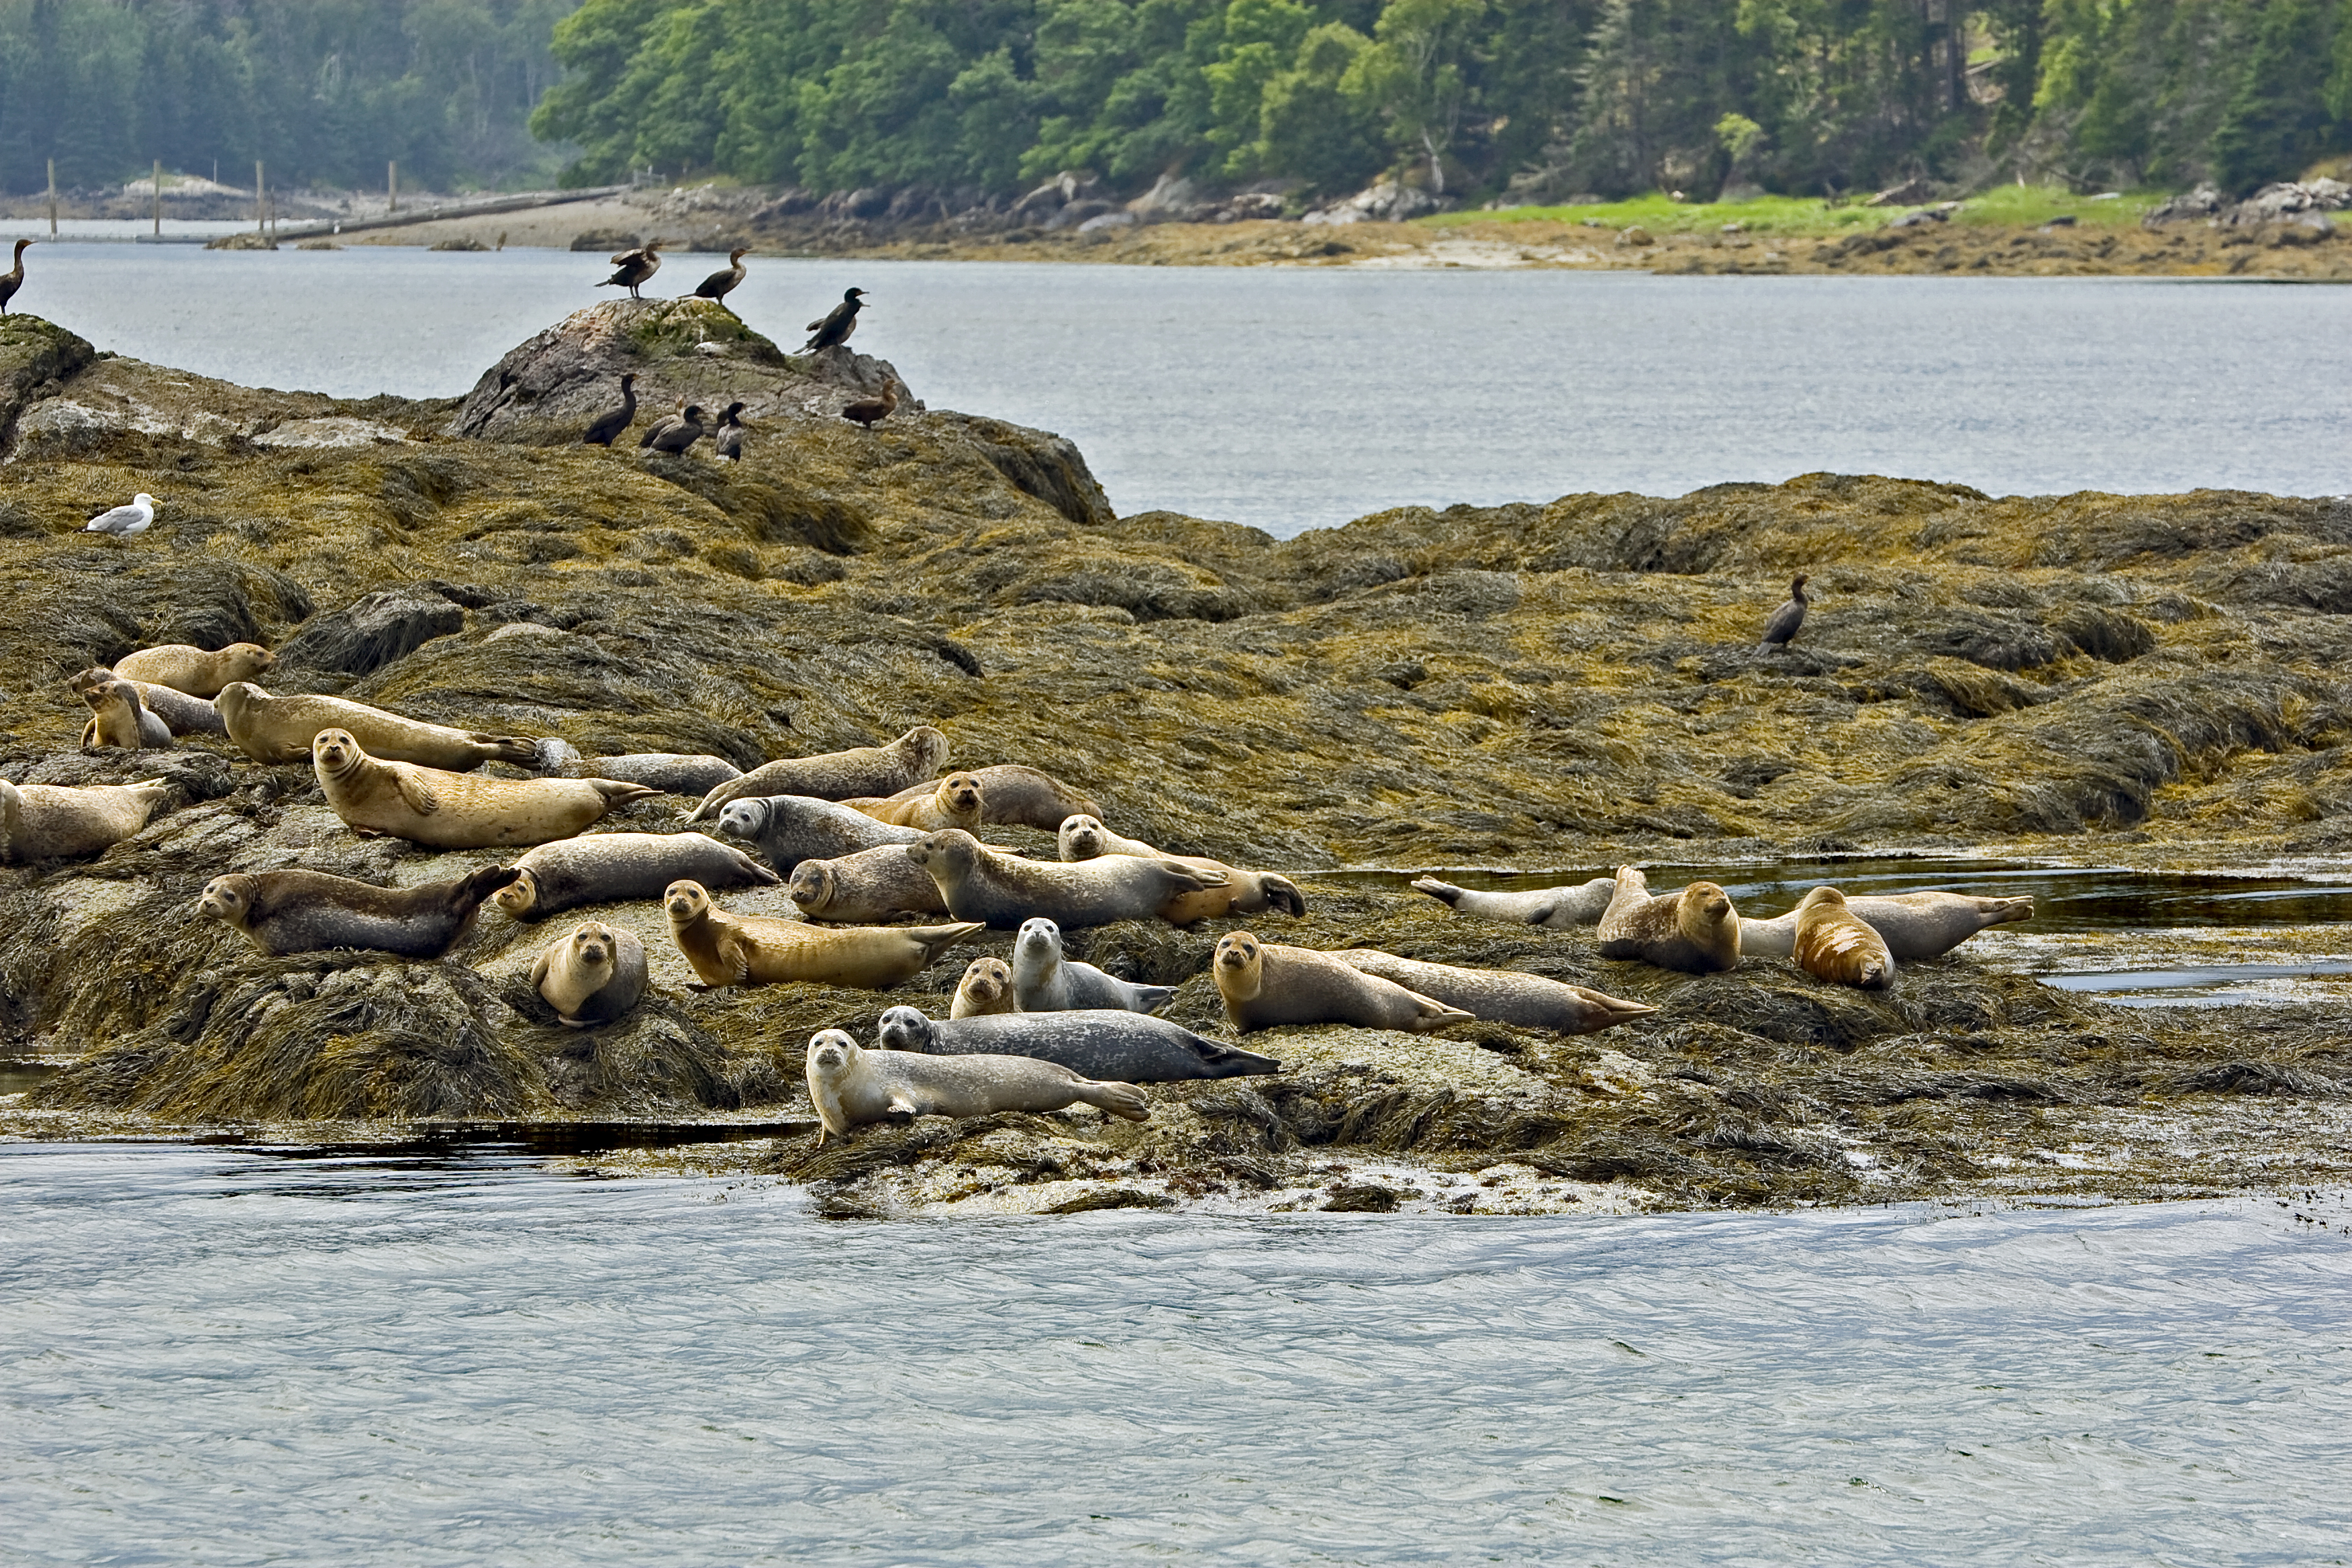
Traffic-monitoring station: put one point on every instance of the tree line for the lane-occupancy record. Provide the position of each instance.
(324, 92)
(1541, 98)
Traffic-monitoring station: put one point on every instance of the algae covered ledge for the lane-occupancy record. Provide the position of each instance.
(2152, 681)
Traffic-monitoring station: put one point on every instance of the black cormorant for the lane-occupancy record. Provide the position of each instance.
(1787, 618)
(674, 433)
(13, 279)
(837, 325)
(730, 440)
(632, 269)
(719, 285)
(608, 426)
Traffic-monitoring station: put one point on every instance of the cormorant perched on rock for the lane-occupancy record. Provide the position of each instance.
(1787, 618)
(870, 411)
(674, 433)
(837, 325)
(730, 440)
(719, 285)
(632, 268)
(608, 426)
(12, 279)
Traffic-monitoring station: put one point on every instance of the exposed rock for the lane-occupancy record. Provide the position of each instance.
(373, 632)
(1390, 202)
(331, 431)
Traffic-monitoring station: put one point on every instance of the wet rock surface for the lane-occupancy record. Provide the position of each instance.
(1569, 685)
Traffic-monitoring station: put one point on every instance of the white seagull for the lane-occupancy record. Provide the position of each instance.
(124, 521)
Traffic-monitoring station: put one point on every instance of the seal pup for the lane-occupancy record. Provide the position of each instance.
(1695, 930)
(1556, 909)
(281, 730)
(751, 950)
(1015, 796)
(871, 887)
(124, 521)
(1132, 1047)
(1084, 837)
(183, 667)
(981, 883)
(118, 718)
(1913, 925)
(834, 326)
(299, 911)
(851, 1085)
(790, 829)
(182, 714)
(1782, 629)
(1266, 983)
(672, 772)
(860, 773)
(591, 974)
(455, 811)
(605, 868)
(1833, 944)
(986, 987)
(1046, 982)
(1502, 995)
(953, 802)
(67, 822)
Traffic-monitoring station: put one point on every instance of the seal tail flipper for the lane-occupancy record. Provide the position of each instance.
(2009, 909)
(1282, 893)
(1446, 893)
(937, 940)
(1435, 1014)
(1151, 998)
(1606, 1012)
(618, 794)
(1123, 1100)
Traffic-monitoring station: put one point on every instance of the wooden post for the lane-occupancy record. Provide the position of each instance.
(159, 198)
(256, 197)
(53, 198)
(392, 182)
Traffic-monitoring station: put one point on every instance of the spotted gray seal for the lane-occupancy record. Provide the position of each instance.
(299, 911)
(851, 1085)
(1083, 838)
(876, 771)
(1046, 982)
(1502, 995)
(871, 887)
(1914, 925)
(1558, 909)
(593, 973)
(605, 868)
(66, 822)
(790, 829)
(1106, 1043)
(672, 772)
(981, 883)
(117, 717)
(1265, 985)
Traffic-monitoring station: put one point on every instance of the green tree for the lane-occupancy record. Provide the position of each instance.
(1416, 76)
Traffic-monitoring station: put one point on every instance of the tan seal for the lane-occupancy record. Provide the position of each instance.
(64, 822)
(751, 949)
(954, 802)
(1556, 909)
(1084, 837)
(1015, 796)
(1833, 944)
(986, 987)
(1503, 995)
(182, 714)
(871, 887)
(591, 974)
(981, 883)
(455, 811)
(864, 773)
(117, 717)
(299, 911)
(183, 667)
(280, 730)
(851, 1085)
(1695, 930)
(1265, 985)
(1913, 925)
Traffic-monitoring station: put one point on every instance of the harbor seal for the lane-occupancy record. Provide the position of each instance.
(1265, 985)
(954, 802)
(1835, 945)
(986, 987)
(790, 829)
(672, 772)
(1557, 908)
(593, 974)
(280, 730)
(851, 1085)
(1502, 995)
(876, 772)
(1695, 930)
(751, 950)
(1046, 982)
(455, 811)
(182, 714)
(1132, 1047)
(185, 668)
(299, 911)
(1913, 925)
(981, 883)
(872, 887)
(605, 868)
(1084, 837)
(66, 822)
(118, 718)
(1015, 796)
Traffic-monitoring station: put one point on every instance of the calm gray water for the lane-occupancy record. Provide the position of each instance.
(1298, 398)
(221, 1357)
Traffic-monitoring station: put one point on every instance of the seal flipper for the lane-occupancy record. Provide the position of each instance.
(1282, 894)
(538, 972)
(419, 795)
(1446, 893)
